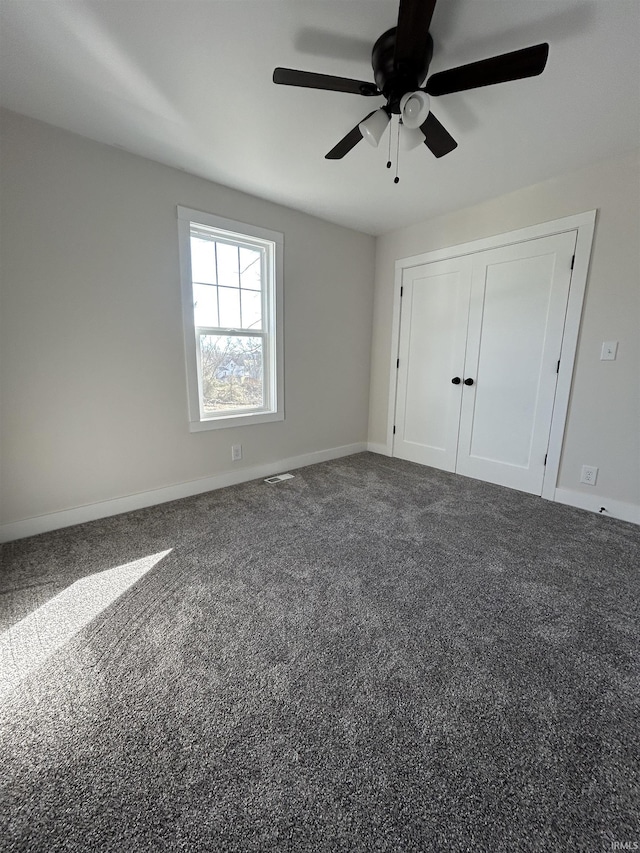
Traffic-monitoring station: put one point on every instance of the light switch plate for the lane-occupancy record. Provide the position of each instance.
(609, 351)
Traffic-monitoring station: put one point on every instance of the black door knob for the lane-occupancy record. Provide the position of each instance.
(456, 380)
(468, 381)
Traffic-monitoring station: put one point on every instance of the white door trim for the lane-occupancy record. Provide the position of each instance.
(584, 224)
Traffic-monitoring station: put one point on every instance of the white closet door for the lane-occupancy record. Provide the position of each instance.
(433, 331)
(517, 310)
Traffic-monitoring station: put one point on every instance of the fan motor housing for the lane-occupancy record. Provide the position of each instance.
(395, 82)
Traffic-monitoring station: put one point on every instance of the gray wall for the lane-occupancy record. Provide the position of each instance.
(93, 377)
(603, 426)
(91, 355)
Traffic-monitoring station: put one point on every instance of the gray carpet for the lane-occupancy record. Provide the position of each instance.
(372, 656)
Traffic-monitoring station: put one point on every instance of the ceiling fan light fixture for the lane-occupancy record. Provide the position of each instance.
(374, 126)
(414, 109)
(410, 137)
(400, 59)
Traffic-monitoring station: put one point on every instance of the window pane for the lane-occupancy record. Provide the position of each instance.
(251, 309)
(203, 260)
(228, 273)
(250, 268)
(232, 372)
(205, 305)
(229, 307)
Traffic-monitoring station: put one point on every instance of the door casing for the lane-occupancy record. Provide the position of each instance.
(584, 225)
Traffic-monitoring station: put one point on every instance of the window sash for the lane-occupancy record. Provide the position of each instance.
(206, 414)
(268, 359)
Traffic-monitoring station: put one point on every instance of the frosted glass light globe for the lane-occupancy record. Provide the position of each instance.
(374, 126)
(414, 108)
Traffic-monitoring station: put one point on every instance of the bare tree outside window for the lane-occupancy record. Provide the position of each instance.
(231, 371)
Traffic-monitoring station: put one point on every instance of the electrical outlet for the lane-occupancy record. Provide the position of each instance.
(589, 475)
(236, 452)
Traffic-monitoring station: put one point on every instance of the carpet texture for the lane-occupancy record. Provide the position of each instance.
(372, 656)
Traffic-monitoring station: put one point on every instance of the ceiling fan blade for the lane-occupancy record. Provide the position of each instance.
(437, 138)
(347, 142)
(412, 32)
(516, 65)
(311, 80)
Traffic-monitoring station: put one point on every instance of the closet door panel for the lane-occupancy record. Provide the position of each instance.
(433, 333)
(516, 320)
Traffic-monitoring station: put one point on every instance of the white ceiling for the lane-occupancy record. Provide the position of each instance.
(188, 83)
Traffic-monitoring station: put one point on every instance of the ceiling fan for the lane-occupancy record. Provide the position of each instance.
(400, 60)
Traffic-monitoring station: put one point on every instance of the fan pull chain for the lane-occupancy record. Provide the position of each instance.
(389, 159)
(397, 179)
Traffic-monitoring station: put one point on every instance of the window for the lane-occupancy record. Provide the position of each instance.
(232, 311)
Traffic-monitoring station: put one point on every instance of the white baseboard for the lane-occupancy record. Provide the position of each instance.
(91, 512)
(594, 503)
(103, 509)
(374, 447)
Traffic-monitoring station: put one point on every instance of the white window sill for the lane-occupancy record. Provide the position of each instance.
(246, 419)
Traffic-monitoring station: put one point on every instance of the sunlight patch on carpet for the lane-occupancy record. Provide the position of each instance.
(26, 646)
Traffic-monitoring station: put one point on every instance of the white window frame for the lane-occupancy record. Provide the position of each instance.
(272, 305)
